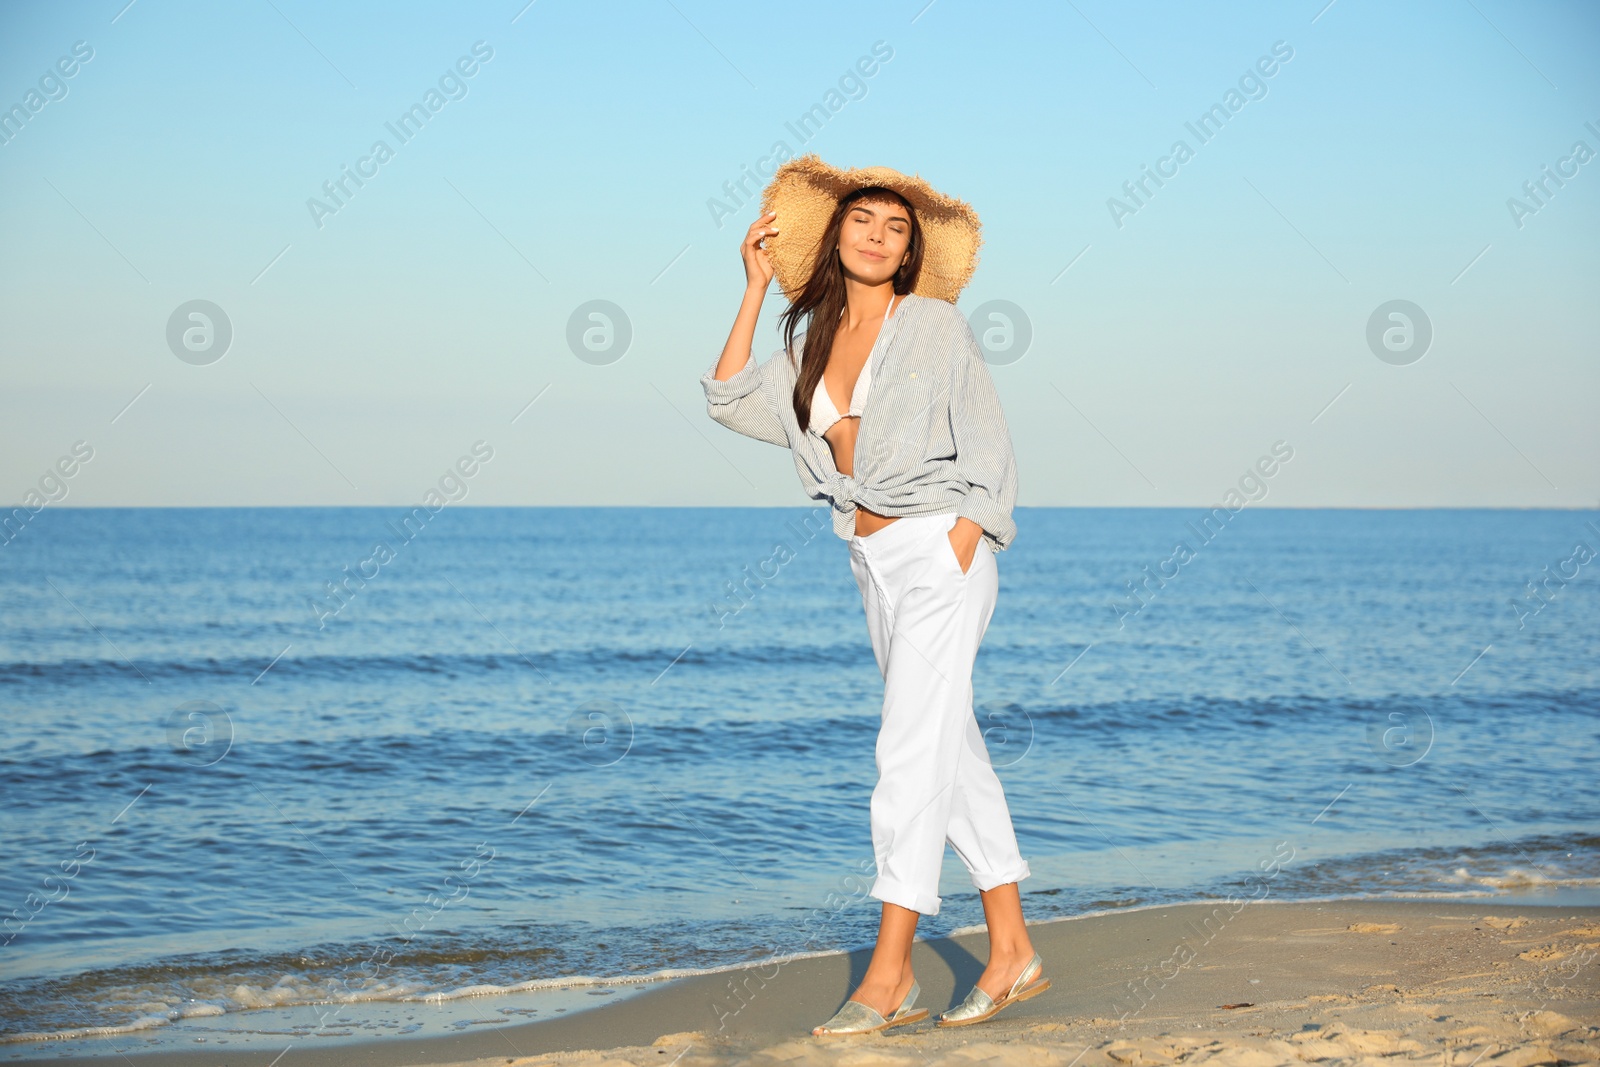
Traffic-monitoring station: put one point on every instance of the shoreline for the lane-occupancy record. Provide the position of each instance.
(1304, 980)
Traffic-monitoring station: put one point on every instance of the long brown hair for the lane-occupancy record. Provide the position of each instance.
(823, 296)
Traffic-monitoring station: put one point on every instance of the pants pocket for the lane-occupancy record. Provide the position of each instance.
(949, 552)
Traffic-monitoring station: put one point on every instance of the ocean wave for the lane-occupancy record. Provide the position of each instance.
(145, 1022)
(1520, 878)
(403, 664)
(203, 994)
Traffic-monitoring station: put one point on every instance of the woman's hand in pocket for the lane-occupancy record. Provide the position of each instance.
(964, 537)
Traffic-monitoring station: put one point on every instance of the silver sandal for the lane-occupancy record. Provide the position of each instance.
(857, 1018)
(980, 1006)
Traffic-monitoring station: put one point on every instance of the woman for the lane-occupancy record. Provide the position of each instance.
(892, 416)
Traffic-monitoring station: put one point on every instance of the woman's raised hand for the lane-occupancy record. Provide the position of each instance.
(757, 265)
(757, 275)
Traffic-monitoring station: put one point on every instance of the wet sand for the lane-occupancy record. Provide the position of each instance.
(1331, 983)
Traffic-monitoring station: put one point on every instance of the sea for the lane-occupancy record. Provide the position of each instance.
(281, 774)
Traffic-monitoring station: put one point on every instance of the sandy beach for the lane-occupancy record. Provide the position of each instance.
(1331, 983)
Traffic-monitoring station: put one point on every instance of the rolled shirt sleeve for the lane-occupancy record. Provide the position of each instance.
(743, 402)
(984, 456)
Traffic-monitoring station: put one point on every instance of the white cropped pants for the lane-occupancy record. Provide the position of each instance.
(935, 782)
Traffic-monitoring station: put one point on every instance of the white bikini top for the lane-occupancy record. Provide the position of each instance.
(823, 413)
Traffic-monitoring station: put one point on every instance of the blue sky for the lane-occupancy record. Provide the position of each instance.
(582, 160)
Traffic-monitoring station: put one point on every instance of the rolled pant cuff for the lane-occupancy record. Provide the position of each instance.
(988, 882)
(892, 892)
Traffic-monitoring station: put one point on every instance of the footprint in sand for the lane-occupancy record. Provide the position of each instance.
(1373, 928)
(1497, 922)
(1542, 954)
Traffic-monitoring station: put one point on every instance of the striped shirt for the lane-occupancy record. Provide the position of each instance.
(932, 438)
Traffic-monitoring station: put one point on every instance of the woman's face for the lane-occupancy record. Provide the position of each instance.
(874, 239)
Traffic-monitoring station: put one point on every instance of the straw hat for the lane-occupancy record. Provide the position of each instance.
(805, 192)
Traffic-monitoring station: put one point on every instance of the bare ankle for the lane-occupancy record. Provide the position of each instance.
(1011, 951)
